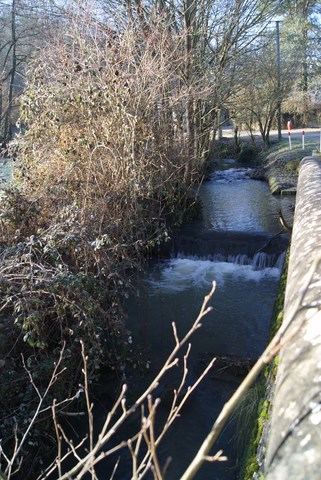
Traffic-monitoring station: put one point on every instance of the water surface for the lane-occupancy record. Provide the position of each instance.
(238, 325)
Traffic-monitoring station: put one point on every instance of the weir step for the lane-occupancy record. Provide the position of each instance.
(230, 243)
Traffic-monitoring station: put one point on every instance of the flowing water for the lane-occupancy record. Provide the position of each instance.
(232, 201)
(5, 171)
(234, 244)
(172, 290)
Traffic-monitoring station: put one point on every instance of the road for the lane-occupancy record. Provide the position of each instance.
(310, 135)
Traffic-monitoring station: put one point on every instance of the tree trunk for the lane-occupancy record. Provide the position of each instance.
(189, 112)
(304, 79)
(1, 107)
(7, 120)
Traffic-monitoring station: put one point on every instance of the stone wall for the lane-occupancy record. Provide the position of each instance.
(294, 447)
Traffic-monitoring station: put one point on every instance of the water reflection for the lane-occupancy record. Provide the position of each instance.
(232, 201)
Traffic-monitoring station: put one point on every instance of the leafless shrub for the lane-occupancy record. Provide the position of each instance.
(142, 445)
(101, 110)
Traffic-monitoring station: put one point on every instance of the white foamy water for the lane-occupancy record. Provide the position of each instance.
(180, 274)
(231, 175)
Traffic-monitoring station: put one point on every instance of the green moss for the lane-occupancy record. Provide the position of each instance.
(277, 315)
(292, 166)
(276, 361)
(263, 417)
(250, 464)
(252, 468)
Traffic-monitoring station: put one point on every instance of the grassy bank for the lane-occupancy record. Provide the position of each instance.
(280, 165)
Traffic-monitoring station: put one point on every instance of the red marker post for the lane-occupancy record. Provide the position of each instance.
(289, 125)
(303, 145)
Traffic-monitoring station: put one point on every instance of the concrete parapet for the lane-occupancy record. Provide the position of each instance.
(295, 440)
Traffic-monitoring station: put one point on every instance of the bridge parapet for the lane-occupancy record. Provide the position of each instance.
(295, 438)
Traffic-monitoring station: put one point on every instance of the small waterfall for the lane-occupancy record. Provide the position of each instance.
(239, 259)
(232, 246)
(184, 272)
(263, 260)
(259, 261)
(231, 175)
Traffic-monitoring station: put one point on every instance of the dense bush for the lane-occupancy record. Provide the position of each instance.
(102, 171)
(100, 113)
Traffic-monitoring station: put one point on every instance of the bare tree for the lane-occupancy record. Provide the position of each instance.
(301, 41)
(24, 24)
(215, 35)
(258, 88)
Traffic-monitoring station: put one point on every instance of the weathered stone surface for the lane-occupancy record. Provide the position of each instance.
(289, 191)
(295, 441)
(280, 183)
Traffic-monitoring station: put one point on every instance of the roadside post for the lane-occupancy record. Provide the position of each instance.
(303, 144)
(289, 125)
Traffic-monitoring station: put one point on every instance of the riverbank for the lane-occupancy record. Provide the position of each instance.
(279, 166)
(280, 170)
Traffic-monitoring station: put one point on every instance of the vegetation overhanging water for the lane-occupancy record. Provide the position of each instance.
(237, 328)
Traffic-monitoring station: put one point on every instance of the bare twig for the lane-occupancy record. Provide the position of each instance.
(269, 353)
(109, 429)
(19, 445)
(89, 404)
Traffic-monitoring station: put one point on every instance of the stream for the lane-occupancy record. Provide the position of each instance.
(235, 244)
